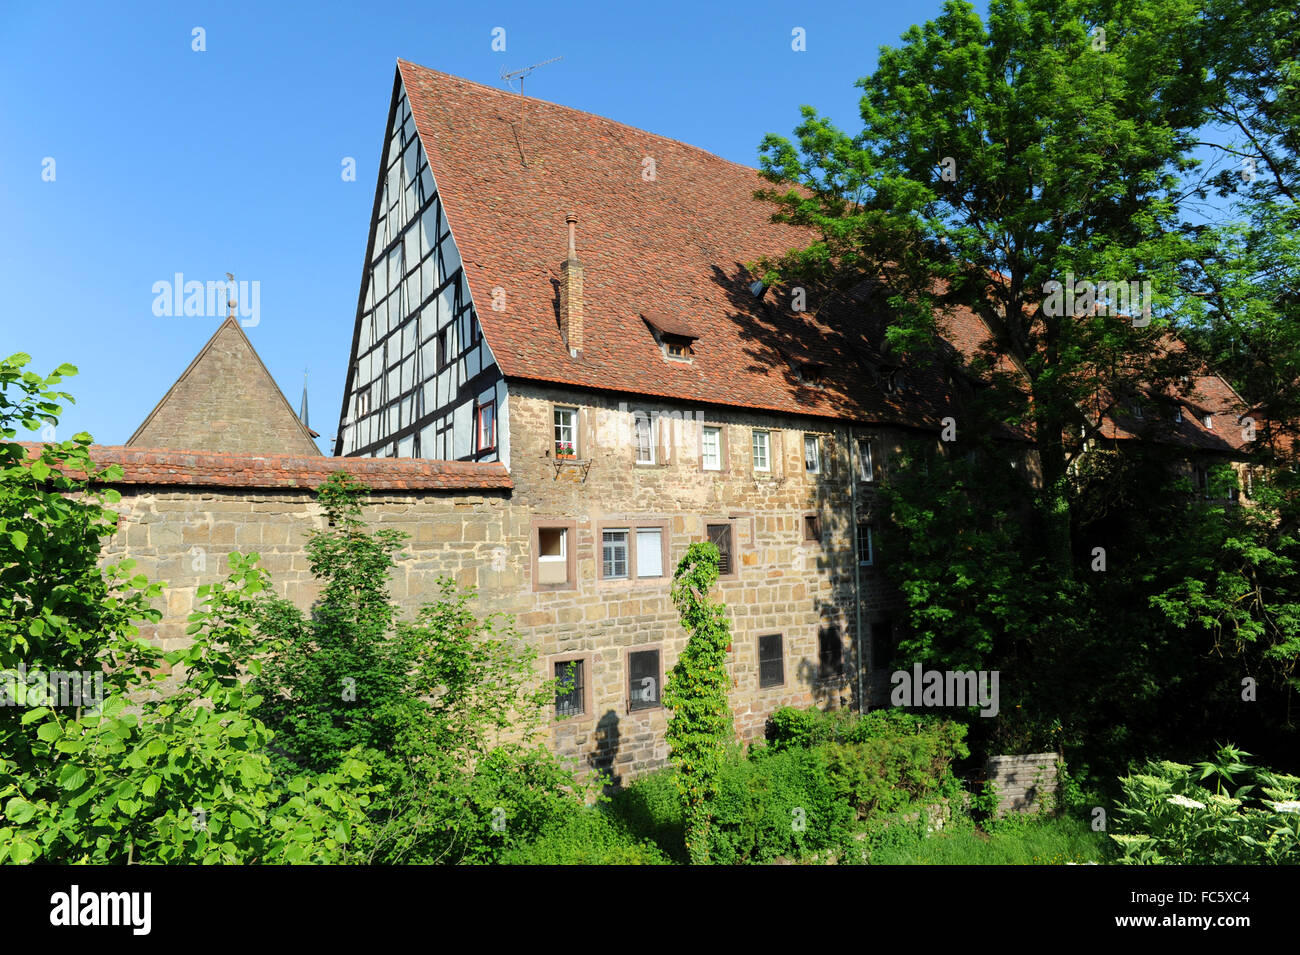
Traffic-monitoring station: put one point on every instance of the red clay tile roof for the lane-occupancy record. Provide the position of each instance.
(201, 468)
(509, 169)
(670, 247)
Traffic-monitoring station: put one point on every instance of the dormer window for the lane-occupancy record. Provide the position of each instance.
(675, 337)
(891, 382)
(679, 348)
(1209, 421)
(813, 373)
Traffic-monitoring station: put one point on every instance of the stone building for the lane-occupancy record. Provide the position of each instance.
(562, 374)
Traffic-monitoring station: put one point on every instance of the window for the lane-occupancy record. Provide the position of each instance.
(882, 643)
(830, 653)
(632, 552)
(642, 679)
(812, 454)
(554, 561)
(649, 552)
(486, 425)
(363, 402)
(614, 554)
(566, 432)
(679, 348)
(1209, 421)
(475, 333)
(1137, 410)
(812, 527)
(711, 448)
(866, 553)
(771, 661)
(1178, 413)
(570, 695)
(643, 426)
(720, 535)
(762, 447)
(552, 555)
(866, 461)
(812, 374)
(444, 348)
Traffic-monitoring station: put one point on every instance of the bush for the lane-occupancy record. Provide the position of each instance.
(588, 837)
(651, 809)
(1170, 817)
(776, 803)
(790, 727)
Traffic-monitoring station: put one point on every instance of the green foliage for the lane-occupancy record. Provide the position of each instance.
(1017, 840)
(776, 804)
(134, 776)
(700, 727)
(651, 810)
(445, 708)
(588, 837)
(1168, 816)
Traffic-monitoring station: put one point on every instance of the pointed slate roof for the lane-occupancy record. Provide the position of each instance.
(225, 402)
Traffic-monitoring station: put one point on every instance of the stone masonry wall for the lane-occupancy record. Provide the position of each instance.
(784, 583)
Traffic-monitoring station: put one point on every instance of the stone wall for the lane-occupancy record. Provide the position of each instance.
(1023, 783)
(784, 584)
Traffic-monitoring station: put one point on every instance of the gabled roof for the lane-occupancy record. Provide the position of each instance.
(673, 244)
(664, 232)
(225, 401)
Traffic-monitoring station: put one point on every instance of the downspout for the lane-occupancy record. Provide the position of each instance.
(857, 565)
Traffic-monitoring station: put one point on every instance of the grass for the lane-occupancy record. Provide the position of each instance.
(1015, 841)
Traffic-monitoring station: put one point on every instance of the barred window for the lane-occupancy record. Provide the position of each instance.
(570, 694)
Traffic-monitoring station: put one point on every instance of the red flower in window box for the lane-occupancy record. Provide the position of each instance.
(564, 451)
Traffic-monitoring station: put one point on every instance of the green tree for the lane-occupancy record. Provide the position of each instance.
(994, 159)
(128, 775)
(445, 707)
(701, 726)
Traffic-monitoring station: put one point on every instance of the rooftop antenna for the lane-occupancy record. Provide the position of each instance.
(507, 76)
(302, 410)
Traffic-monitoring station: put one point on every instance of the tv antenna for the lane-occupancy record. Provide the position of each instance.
(507, 76)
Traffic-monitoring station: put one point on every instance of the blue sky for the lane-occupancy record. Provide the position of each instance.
(169, 160)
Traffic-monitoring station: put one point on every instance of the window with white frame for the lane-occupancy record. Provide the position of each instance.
(812, 454)
(552, 555)
(649, 552)
(613, 554)
(566, 432)
(643, 426)
(866, 460)
(866, 548)
(1209, 421)
(487, 425)
(762, 451)
(711, 448)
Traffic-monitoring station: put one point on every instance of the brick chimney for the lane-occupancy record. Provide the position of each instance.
(571, 293)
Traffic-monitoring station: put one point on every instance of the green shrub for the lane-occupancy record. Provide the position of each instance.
(1168, 816)
(885, 774)
(790, 727)
(588, 837)
(650, 809)
(776, 803)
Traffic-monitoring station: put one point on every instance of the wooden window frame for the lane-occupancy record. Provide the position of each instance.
(822, 676)
(870, 442)
(803, 527)
(871, 544)
(570, 552)
(734, 573)
(652, 423)
(627, 679)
